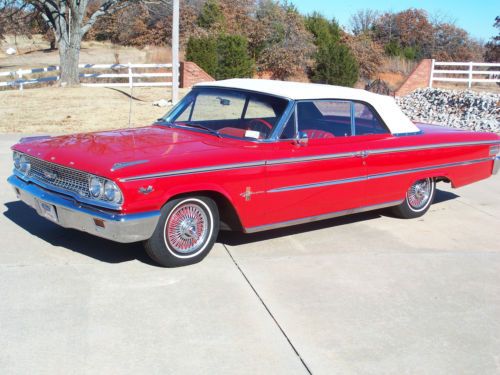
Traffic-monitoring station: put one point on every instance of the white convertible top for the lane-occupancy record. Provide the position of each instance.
(386, 106)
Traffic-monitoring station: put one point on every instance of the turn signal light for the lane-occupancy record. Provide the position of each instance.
(99, 223)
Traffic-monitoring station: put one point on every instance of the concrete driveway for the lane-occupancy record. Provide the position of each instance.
(364, 294)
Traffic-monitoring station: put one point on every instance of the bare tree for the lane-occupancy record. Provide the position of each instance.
(363, 21)
(69, 21)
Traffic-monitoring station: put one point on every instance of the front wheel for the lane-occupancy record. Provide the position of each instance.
(418, 199)
(185, 233)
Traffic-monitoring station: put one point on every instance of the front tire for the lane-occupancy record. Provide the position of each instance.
(418, 199)
(185, 233)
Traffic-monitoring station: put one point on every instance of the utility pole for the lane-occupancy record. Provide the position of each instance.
(175, 52)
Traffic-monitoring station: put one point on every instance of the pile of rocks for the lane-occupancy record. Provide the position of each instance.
(457, 109)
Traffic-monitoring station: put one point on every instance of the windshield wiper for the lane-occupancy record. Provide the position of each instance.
(212, 131)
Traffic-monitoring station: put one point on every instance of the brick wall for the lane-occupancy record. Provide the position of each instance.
(190, 73)
(419, 78)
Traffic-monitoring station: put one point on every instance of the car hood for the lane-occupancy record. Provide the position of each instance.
(121, 153)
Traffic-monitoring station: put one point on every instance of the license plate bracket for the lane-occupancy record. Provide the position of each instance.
(48, 211)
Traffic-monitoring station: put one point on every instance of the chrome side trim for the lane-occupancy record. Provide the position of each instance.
(330, 215)
(318, 184)
(179, 172)
(125, 164)
(430, 168)
(72, 214)
(374, 176)
(312, 158)
(431, 146)
(339, 155)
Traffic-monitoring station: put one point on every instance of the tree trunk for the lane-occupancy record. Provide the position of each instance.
(69, 53)
(69, 56)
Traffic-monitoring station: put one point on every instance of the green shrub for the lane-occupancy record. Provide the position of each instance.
(335, 64)
(233, 60)
(393, 48)
(203, 52)
(223, 57)
(410, 53)
(211, 15)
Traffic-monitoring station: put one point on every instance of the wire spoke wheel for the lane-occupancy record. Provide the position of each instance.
(187, 228)
(419, 194)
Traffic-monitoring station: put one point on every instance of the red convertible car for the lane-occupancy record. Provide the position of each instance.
(247, 155)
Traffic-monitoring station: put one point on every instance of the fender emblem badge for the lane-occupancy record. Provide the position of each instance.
(146, 190)
(247, 194)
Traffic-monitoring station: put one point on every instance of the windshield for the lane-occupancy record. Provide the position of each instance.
(228, 112)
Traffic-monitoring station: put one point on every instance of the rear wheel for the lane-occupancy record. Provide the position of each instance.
(418, 199)
(185, 233)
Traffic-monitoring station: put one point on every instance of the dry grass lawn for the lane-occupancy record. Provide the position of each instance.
(69, 110)
(34, 53)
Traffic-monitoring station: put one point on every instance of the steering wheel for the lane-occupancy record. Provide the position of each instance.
(260, 125)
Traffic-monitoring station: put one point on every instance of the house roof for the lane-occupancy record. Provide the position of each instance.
(386, 106)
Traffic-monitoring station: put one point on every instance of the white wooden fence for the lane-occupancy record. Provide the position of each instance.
(125, 74)
(465, 72)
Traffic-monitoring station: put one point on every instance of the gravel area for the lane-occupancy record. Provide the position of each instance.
(458, 109)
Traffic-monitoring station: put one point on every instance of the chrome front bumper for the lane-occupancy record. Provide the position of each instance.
(496, 165)
(72, 214)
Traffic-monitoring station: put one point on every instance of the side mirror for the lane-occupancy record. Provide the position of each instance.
(301, 140)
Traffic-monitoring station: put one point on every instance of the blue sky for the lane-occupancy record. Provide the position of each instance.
(477, 17)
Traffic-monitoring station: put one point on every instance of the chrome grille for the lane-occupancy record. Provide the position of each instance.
(62, 178)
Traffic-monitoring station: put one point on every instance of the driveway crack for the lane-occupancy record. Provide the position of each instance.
(268, 311)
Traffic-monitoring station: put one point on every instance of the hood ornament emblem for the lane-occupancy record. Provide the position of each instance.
(50, 175)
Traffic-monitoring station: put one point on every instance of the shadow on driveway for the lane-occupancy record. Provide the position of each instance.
(74, 240)
(113, 252)
(237, 238)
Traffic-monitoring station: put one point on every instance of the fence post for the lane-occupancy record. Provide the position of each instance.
(175, 51)
(20, 75)
(130, 78)
(470, 74)
(431, 78)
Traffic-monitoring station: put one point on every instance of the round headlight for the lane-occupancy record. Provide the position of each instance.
(16, 157)
(96, 187)
(112, 192)
(24, 164)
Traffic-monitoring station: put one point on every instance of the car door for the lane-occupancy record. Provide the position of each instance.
(381, 187)
(323, 170)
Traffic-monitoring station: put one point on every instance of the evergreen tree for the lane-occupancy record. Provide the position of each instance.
(232, 56)
(210, 15)
(335, 63)
(203, 52)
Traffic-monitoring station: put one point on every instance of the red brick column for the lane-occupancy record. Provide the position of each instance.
(190, 73)
(419, 78)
